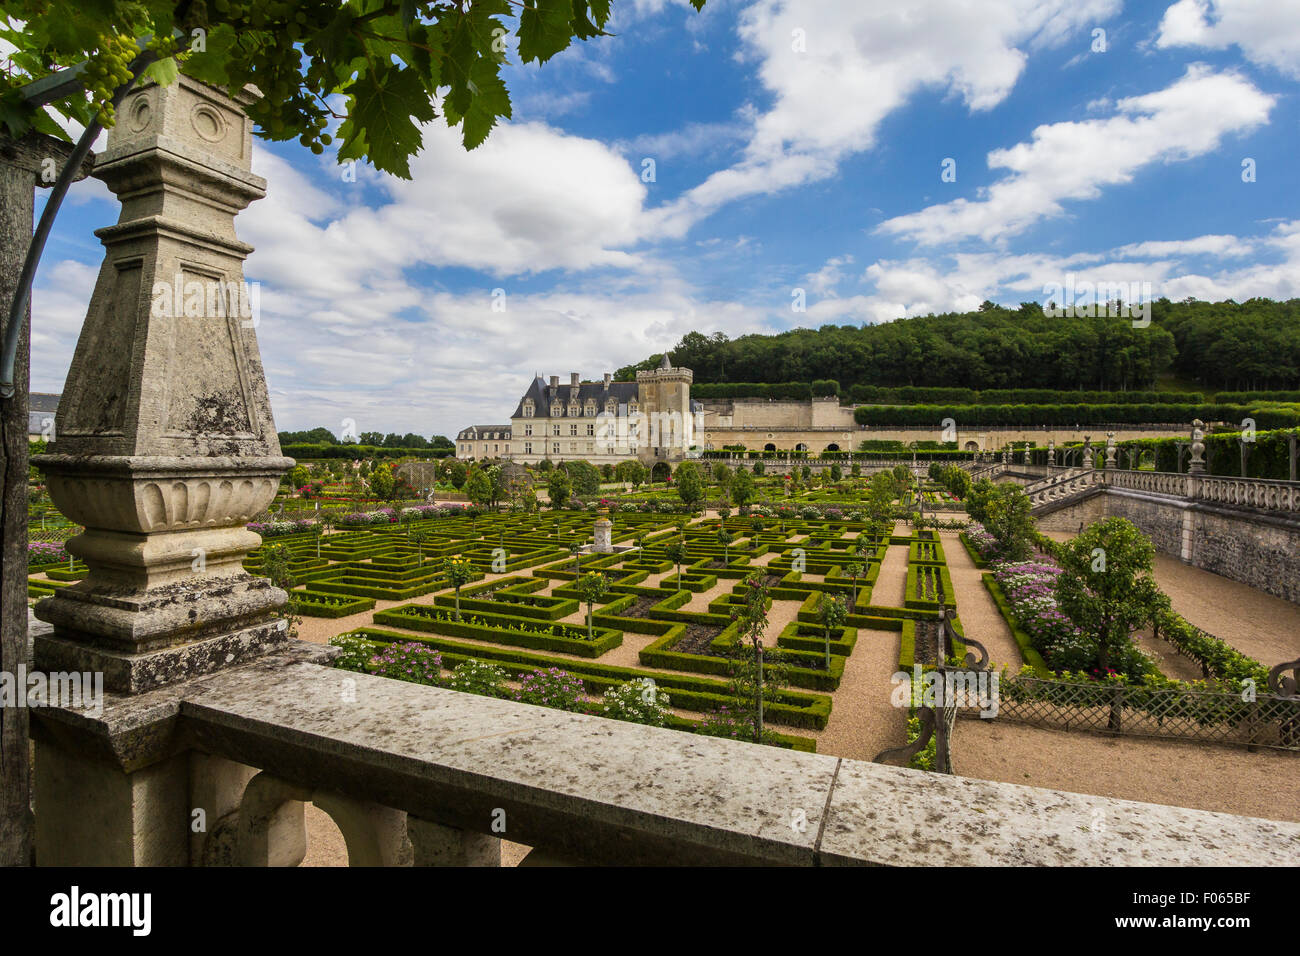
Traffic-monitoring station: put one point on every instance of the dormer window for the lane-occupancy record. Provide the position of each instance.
(591, 409)
(556, 409)
(631, 408)
(573, 410)
(611, 407)
(528, 408)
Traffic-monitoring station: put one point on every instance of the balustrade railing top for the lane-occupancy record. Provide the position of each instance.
(605, 791)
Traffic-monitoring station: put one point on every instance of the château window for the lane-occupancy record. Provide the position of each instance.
(528, 408)
(556, 409)
(611, 407)
(631, 408)
(590, 411)
(555, 429)
(591, 430)
(573, 429)
(573, 410)
(528, 448)
(528, 429)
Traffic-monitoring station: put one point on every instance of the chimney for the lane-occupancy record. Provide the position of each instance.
(573, 379)
(555, 381)
(608, 377)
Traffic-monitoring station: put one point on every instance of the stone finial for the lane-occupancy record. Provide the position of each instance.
(1197, 465)
(1110, 450)
(165, 446)
(1051, 452)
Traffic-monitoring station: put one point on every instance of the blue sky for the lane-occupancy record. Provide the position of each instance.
(797, 145)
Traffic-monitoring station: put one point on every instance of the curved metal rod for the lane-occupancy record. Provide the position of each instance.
(971, 663)
(23, 293)
(908, 751)
(1284, 686)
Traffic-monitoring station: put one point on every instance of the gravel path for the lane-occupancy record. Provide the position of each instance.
(863, 722)
(980, 617)
(891, 585)
(1171, 772)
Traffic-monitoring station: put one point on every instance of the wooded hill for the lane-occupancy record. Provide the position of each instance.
(1252, 345)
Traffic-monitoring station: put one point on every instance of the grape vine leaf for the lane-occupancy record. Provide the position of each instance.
(544, 29)
(386, 102)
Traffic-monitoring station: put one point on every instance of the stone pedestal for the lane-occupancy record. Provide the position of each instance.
(603, 536)
(165, 446)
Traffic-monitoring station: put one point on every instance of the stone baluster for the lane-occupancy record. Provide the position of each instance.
(164, 449)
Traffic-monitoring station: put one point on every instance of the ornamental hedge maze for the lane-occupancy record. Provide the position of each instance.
(522, 610)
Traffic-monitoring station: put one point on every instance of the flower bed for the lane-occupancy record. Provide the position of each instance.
(44, 553)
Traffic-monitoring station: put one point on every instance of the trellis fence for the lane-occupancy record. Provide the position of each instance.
(1227, 718)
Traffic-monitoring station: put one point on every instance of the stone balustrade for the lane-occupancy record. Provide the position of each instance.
(415, 775)
(1259, 494)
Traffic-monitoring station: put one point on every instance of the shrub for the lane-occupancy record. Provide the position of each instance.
(410, 662)
(550, 687)
(356, 652)
(476, 677)
(638, 701)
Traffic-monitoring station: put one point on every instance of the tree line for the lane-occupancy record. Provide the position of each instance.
(323, 436)
(1250, 345)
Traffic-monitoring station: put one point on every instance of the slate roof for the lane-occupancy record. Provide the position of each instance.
(480, 432)
(542, 395)
(41, 407)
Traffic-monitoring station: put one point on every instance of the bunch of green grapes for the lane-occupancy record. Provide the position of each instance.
(106, 70)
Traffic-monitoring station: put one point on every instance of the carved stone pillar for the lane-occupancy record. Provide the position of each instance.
(1051, 454)
(165, 444)
(1197, 466)
(1110, 451)
(1087, 463)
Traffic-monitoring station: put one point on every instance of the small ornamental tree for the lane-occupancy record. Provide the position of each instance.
(419, 534)
(725, 538)
(676, 553)
(479, 488)
(458, 572)
(1107, 588)
(1008, 518)
(591, 588)
(722, 476)
(724, 513)
(854, 571)
(833, 614)
(742, 487)
(747, 674)
(836, 473)
(759, 469)
(559, 488)
(690, 484)
(575, 549)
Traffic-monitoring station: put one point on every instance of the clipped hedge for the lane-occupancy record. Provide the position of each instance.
(790, 708)
(967, 416)
(504, 629)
